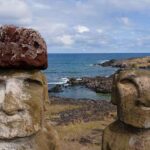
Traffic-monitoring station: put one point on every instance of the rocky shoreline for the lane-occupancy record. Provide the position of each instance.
(141, 62)
(98, 84)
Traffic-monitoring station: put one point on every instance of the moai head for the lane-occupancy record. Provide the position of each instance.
(22, 97)
(131, 94)
(23, 88)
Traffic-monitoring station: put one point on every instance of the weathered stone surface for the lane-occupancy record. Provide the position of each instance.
(131, 93)
(22, 48)
(22, 98)
(119, 136)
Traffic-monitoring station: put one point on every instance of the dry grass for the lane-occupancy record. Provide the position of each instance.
(52, 110)
(78, 135)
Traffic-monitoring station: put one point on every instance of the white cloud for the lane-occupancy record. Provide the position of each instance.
(41, 6)
(65, 40)
(14, 11)
(82, 29)
(100, 30)
(82, 24)
(125, 21)
(49, 28)
(130, 5)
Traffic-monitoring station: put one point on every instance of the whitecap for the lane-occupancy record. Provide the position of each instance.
(103, 61)
(60, 82)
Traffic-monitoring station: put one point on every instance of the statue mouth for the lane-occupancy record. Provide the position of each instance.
(17, 126)
(18, 117)
(145, 108)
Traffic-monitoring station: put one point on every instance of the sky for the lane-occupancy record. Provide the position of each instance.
(84, 26)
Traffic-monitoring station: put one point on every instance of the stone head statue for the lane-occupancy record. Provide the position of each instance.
(22, 97)
(23, 91)
(131, 94)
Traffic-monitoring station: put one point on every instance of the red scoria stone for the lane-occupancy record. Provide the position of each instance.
(22, 48)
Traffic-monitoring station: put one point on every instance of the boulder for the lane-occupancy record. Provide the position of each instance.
(22, 48)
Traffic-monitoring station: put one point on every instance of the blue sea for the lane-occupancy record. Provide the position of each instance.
(63, 66)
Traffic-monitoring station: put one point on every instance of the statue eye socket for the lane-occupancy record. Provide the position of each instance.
(2, 82)
(130, 81)
(32, 81)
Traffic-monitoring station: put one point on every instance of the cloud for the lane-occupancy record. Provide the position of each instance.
(41, 6)
(90, 25)
(100, 30)
(14, 11)
(66, 40)
(49, 28)
(125, 21)
(130, 5)
(82, 29)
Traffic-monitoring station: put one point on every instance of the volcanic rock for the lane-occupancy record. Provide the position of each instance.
(56, 89)
(22, 48)
(98, 84)
(141, 62)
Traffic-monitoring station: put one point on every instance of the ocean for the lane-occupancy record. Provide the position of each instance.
(63, 66)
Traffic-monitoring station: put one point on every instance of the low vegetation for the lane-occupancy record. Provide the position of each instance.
(84, 131)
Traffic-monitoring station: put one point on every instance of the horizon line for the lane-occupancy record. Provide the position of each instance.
(105, 53)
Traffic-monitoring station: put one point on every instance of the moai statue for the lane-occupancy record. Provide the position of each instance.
(131, 94)
(23, 91)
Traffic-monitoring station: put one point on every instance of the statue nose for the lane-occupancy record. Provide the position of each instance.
(11, 105)
(143, 91)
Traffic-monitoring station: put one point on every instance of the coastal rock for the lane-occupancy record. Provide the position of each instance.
(130, 93)
(97, 84)
(142, 62)
(22, 48)
(56, 89)
(22, 124)
(106, 63)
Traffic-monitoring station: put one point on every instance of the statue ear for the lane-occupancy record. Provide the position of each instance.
(114, 90)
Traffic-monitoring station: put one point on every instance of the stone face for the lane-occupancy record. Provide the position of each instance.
(22, 98)
(119, 136)
(131, 93)
(22, 48)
